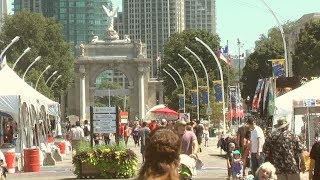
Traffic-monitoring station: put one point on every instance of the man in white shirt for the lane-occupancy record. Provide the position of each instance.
(77, 135)
(257, 142)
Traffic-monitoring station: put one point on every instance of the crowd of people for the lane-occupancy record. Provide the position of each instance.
(277, 155)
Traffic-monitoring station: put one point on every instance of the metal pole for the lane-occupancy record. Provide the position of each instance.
(55, 81)
(222, 83)
(171, 77)
(41, 75)
(197, 83)
(109, 97)
(37, 59)
(239, 45)
(24, 52)
(184, 88)
(282, 35)
(51, 76)
(209, 111)
(8, 46)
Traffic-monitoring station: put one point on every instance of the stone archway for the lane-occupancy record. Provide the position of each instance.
(123, 57)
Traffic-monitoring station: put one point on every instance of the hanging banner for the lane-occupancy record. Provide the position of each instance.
(194, 97)
(204, 94)
(217, 90)
(255, 102)
(181, 101)
(278, 67)
(265, 94)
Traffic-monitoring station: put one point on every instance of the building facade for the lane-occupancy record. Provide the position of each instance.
(31, 5)
(153, 22)
(201, 14)
(3, 11)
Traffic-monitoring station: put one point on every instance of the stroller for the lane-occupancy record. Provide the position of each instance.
(187, 169)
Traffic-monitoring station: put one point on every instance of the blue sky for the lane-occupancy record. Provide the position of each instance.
(248, 19)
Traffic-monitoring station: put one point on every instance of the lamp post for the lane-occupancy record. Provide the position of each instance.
(41, 75)
(8, 46)
(209, 110)
(184, 88)
(24, 52)
(51, 76)
(239, 46)
(55, 81)
(282, 35)
(37, 59)
(222, 83)
(171, 77)
(197, 83)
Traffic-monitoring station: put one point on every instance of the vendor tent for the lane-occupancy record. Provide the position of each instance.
(310, 90)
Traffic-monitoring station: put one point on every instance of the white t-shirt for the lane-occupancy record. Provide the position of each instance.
(255, 134)
(2, 156)
(77, 133)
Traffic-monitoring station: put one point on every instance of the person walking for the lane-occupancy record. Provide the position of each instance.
(281, 148)
(77, 136)
(314, 169)
(86, 130)
(199, 133)
(189, 143)
(206, 136)
(257, 141)
(143, 134)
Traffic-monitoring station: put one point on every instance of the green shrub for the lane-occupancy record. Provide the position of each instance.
(112, 161)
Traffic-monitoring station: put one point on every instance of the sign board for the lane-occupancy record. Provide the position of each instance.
(185, 117)
(104, 119)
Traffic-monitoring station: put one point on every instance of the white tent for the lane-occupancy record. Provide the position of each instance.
(14, 92)
(310, 90)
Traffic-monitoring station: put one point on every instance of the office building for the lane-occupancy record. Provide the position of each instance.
(3, 11)
(201, 14)
(153, 22)
(31, 5)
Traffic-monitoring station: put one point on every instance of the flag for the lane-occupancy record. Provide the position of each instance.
(217, 90)
(271, 96)
(194, 97)
(226, 50)
(265, 95)
(221, 56)
(181, 101)
(204, 94)
(255, 102)
(278, 67)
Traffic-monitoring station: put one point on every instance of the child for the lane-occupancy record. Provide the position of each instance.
(206, 136)
(237, 165)
(231, 148)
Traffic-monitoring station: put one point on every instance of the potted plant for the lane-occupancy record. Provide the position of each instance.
(112, 161)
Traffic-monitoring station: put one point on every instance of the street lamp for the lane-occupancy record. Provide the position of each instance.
(209, 110)
(41, 75)
(184, 88)
(197, 83)
(8, 46)
(239, 46)
(222, 83)
(171, 77)
(24, 52)
(55, 81)
(282, 35)
(37, 59)
(51, 76)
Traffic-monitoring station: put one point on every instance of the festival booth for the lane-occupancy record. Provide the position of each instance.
(302, 105)
(27, 110)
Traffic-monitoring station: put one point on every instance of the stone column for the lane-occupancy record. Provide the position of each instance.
(82, 71)
(141, 92)
(161, 95)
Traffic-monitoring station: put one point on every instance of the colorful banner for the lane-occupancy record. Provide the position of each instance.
(217, 90)
(255, 102)
(194, 97)
(204, 94)
(181, 101)
(278, 67)
(265, 94)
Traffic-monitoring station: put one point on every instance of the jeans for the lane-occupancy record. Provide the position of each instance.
(255, 163)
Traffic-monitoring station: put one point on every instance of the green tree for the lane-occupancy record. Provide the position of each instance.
(306, 56)
(114, 100)
(45, 37)
(176, 44)
(257, 64)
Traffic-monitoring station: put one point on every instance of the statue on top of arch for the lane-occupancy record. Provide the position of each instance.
(111, 13)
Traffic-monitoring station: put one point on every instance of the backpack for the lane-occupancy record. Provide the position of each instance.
(86, 131)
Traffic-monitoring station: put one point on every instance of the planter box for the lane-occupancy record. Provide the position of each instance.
(89, 171)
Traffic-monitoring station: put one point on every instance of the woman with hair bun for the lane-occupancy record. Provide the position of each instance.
(161, 156)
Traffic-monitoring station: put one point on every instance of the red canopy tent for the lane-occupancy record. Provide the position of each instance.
(165, 110)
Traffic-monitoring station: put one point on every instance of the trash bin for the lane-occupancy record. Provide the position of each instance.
(213, 132)
(9, 153)
(31, 160)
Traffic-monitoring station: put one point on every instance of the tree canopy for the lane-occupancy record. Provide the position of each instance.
(45, 38)
(257, 64)
(306, 56)
(176, 45)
